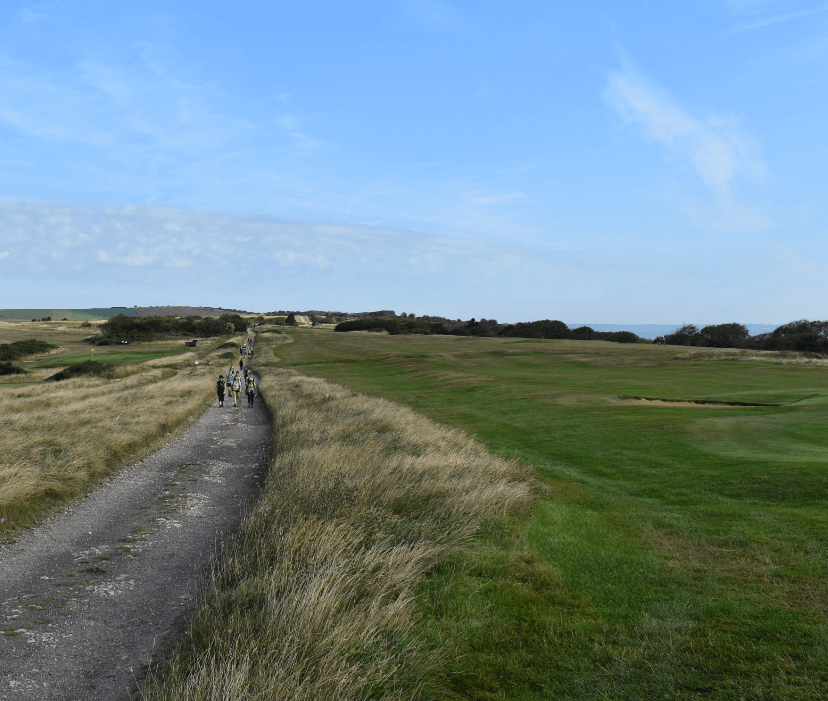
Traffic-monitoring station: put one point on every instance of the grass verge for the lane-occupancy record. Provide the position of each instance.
(322, 593)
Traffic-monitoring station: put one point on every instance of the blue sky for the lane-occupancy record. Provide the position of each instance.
(607, 162)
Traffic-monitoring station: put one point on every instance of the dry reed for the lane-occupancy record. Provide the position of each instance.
(316, 595)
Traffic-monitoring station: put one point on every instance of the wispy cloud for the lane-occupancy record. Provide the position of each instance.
(751, 15)
(714, 147)
(770, 20)
(93, 241)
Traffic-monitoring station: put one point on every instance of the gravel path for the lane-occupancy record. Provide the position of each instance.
(90, 596)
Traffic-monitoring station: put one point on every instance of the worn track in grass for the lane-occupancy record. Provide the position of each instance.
(88, 598)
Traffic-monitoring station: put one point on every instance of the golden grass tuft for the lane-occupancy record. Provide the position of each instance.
(58, 439)
(316, 595)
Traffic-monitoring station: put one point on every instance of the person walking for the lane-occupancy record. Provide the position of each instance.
(251, 389)
(241, 363)
(236, 387)
(220, 389)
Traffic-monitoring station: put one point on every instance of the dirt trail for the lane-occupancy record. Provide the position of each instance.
(90, 596)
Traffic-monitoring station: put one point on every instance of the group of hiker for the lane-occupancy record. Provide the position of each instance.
(236, 378)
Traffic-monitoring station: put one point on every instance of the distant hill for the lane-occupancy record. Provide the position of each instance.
(108, 312)
(71, 314)
(187, 311)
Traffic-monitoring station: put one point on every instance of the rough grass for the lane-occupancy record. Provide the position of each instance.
(316, 597)
(59, 439)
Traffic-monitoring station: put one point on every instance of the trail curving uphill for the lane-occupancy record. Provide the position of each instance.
(88, 598)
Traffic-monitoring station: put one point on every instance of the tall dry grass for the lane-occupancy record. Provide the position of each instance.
(58, 439)
(316, 595)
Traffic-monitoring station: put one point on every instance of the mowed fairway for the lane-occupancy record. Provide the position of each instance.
(676, 550)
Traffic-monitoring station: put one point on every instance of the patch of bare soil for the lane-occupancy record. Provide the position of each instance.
(89, 598)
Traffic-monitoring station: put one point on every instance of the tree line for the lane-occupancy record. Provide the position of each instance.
(135, 329)
(802, 335)
(545, 328)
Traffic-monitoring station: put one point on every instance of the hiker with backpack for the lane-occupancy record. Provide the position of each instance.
(220, 389)
(236, 387)
(251, 389)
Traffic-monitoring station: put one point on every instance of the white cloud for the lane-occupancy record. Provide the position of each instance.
(158, 238)
(713, 147)
(4, 254)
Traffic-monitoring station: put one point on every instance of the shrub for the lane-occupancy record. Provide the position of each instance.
(537, 329)
(87, 367)
(724, 335)
(685, 335)
(19, 349)
(130, 328)
(801, 335)
(7, 368)
(370, 324)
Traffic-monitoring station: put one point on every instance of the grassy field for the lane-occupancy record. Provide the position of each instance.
(59, 439)
(678, 550)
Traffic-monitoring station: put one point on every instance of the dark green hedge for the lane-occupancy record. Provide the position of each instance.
(125, 328)
(87, 367)
(19, 349)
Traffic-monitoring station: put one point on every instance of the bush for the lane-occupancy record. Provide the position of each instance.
(19, 349)
(537, 329)
(802, 335)
(87, 367)
(370, 324)
(6, 368)
(724, 335)
(130, 328)
(685, 335)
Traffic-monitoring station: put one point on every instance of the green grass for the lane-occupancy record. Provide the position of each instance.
(676, 551)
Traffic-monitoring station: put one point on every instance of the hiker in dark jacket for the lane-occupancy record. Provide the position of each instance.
(220, 386)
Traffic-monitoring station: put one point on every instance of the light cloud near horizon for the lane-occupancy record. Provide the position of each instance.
(146, 255)
(144, 246)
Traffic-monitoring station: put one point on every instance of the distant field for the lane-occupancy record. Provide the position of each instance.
(108, 357)
(70, 314)
(70, 337)
(677, 550)
(58, 439)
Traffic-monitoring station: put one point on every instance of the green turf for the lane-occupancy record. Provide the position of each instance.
(675, 552)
